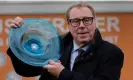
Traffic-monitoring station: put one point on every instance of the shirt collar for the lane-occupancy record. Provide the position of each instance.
(76, 47)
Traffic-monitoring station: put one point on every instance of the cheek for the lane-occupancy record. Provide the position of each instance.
(91, 31)
(73, 31)
(92, 28)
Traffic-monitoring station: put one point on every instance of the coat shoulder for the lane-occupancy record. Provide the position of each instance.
(110, 49)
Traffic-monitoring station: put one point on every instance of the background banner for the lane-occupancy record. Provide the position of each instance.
(116, 28)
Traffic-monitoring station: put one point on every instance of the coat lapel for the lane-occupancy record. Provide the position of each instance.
(86, 56)
(66, 54)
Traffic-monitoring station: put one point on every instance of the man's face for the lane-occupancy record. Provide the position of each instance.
(81, 24)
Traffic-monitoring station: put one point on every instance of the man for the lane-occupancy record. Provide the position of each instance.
(85, 57)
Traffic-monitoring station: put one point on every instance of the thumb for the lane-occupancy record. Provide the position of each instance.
(49, 66)
(51, 62)
(59, 61)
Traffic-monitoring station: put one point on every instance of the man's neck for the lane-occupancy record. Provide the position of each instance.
(80, 45)
(75, 46)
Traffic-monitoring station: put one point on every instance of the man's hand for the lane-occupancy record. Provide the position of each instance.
(17, 22)
(54, 68)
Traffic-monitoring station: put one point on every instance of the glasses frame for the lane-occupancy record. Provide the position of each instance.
(91, 19)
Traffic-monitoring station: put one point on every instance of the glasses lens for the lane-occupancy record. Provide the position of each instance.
(87, 21)
(75, 22)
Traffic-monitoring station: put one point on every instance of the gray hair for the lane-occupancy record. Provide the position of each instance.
(79, 6)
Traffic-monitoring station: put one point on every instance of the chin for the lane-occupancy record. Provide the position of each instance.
(85, 40)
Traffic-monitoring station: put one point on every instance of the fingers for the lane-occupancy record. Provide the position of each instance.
(54, 68)
(13, 25)
(51, 62)
(49, 67)
(59, 61)
(17, 22)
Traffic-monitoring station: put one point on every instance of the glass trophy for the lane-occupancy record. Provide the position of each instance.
(35, 42)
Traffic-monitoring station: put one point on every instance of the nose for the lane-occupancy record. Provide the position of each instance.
(81, 24)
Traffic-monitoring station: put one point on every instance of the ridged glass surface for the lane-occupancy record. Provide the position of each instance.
(35, 42)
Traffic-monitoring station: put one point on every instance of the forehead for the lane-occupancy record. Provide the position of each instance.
(80, 12)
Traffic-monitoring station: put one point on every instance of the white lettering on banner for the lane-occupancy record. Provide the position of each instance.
(1, 42)
(111, 39)
(99, 22)
(112, 22)
(7, 21)
(59, 23)
(105, 24)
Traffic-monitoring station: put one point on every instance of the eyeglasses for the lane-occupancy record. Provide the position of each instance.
(76, 21)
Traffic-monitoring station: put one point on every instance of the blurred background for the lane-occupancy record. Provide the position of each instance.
(114, 20)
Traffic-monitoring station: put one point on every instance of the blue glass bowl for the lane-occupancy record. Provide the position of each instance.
(35, 42)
